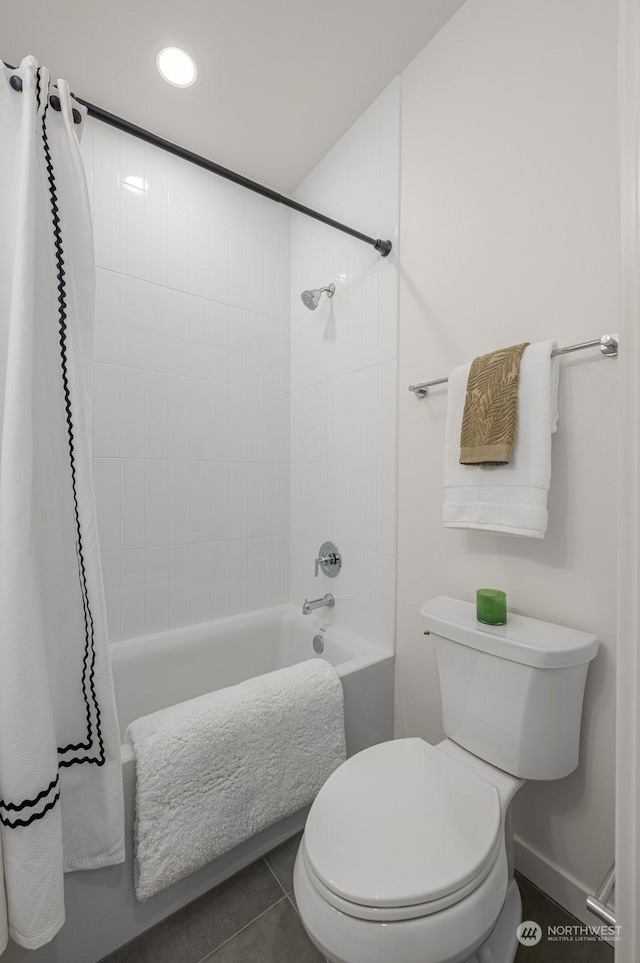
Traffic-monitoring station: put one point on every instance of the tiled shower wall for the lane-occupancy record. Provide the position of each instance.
(191, 389)
(344, 376)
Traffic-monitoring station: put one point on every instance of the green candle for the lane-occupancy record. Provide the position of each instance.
(491, 606)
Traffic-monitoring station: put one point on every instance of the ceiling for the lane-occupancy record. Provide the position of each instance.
(280, 80)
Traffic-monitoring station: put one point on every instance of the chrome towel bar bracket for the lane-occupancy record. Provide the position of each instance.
(598, 904)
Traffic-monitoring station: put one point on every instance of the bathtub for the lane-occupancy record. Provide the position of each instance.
(158, 671)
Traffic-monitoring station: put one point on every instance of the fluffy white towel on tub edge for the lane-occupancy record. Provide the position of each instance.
(216, 770)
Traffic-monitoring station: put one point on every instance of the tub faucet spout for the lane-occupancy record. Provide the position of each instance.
(309, 606)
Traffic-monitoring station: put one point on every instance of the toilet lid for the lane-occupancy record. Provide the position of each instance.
(402, 824)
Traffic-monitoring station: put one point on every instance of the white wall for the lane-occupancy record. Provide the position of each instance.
(344, 376)
(191, 403)
(510, 233)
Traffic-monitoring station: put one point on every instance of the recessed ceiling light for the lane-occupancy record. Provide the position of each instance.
(177, 67)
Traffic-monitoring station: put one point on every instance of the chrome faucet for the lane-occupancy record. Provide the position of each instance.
(327, 600)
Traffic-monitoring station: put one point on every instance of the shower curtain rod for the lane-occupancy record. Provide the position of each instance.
(383, 247)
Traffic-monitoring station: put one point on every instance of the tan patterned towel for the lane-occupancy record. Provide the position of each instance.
(491, 408)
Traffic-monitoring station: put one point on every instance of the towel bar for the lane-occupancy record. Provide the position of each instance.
(608, 345)
(598, 904)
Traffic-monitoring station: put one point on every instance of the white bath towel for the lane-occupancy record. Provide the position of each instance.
(216, 770)
(510, 499)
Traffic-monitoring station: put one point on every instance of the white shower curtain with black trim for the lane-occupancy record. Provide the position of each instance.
(61, 804)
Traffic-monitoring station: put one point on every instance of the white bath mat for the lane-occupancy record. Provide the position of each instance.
(216, 770)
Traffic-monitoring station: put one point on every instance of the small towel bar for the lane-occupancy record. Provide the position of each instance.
(608, 345)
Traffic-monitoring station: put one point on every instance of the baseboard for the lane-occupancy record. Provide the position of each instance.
(555, 882)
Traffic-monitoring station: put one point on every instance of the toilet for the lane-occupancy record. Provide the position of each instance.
(405, 856)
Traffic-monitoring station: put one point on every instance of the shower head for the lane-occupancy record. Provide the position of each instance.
(310, 299)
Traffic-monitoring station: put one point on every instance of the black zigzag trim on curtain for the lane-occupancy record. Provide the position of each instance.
(11, 822)
(14, 823)
(88, 661)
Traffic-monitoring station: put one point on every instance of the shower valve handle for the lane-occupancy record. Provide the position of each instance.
(324, 560)
(328, 560)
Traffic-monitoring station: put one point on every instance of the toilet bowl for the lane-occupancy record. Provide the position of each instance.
(405, 856)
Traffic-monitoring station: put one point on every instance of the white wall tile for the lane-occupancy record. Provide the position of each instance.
(385, 600)
(111, 578)
(388, 313)
(387, 407)
(219, 261)
(369, 505)
(179, 563)
(155, 414)
(199, 420)
(256, 562)
(178, 181)
(156, 171)
(238, 346)
(255, 500)
(177, 332)
(238, 490)
(106, 149)
(132, 321)
(106, 411)
(132, 235)
(132, 594)
(198, 254)
(188, 388)
(156, 502)
(237, 424)
(219, 200)
(219, 341)
(178, 493)
(256, 442)
(219, 482)
(237, 576)
(106, 220)
(220, 607)
(200, 583)
(219, 421)
(199, 338)
(106, 344)
(343, 375)
(132, 503)
(237, 268)
(106, 476)
(386, 507)
(155, 239)
(254, 358)
(255, 275)
(178, 249)
(156, 601)
(199, 501)
(238, 201)
(156, 345)
(131, 412)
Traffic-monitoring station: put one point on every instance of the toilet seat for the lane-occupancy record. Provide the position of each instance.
(401, 831)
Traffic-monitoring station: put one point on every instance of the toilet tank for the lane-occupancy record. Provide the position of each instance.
(511, 694)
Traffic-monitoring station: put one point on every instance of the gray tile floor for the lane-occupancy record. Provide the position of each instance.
(251, 918)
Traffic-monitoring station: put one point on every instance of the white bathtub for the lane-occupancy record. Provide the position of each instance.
(157, 671)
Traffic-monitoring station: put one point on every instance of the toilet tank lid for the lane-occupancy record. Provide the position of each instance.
(529, 641)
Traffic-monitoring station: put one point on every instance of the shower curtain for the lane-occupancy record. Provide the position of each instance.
(61, 805)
